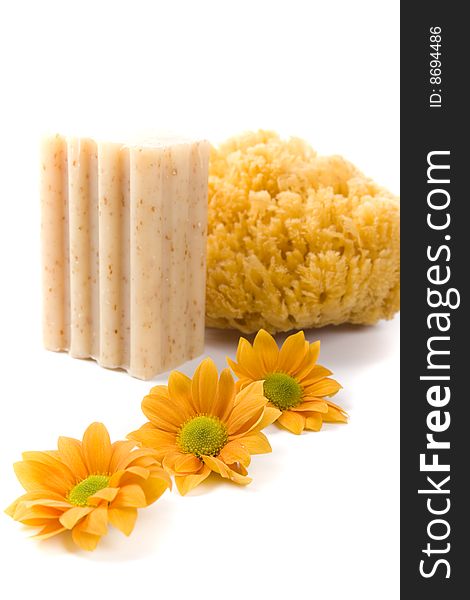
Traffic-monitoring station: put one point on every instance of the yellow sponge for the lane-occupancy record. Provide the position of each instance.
(297, 240)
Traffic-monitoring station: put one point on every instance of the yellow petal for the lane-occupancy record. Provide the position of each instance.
(142, 457)
(314, 422)
(179, 388)
(42, 497)
(225, 396)
(170, 459)
(52, 460)
(155, 486)
(270, 415)
(48, 502)
(225, 471)
(238, 468)
(292, 421)
(28, 510)
(120, 455)
(204, 386)
(316, 373)
(234, 452)
(248, 363)
(335, 415)
(161, 441)
(187, 464)
(304, 369)
(86, 541)
(267, 351)
(70, 451)
(256, 443)
(161, 412)
(115, 479)
(71, 517)
(106, 494)
(36, 476)
(243, 375)
(186, 483)
(312, 405)
(96, 448)
(292, 353)
(248, 409)
(324, 387)
(123, 519)
(96, 522)
(139, 471)
(130, 496)
(49, 530)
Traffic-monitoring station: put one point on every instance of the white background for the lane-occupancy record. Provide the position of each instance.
(321, 516)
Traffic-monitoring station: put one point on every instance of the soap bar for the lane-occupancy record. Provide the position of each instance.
(124, 228)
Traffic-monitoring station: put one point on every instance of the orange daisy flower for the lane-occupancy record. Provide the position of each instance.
(85, 485)
(292, 381)
(201, 426)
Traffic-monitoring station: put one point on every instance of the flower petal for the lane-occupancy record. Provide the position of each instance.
(335, 414)
(49, 530)
(170, 459)
(30, 510)
(312, 405)
(248, 410)
(292, 353)
(71, 517)
(247, 364)
(141, 472)
(96, 522)
(123, 519)
(270, 415)
(238, 468)
(96, 448)
(255, 443)
(244, 378)
(86, 541)
(42, 497)
(314, 422)
(225, 396)
(106, 494)
(324, 387)
(187, 464)
(267, 351)
(179, 389)
(53, 462)
(316, 373)
(161, 441)
(120, 454)
(130, 496)
(143, 457)
(309, 361)
(226, 472)
(186, 483)
(292, 421)
(204, 386)
(235, 452)
(37, 476)
(155, 486)
(70, 451)
(161, 412)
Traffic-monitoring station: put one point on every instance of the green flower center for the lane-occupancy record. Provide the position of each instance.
(79, 494)
(202, 435)
(282, 390)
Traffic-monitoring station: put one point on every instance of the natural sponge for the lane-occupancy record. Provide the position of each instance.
(297, 240)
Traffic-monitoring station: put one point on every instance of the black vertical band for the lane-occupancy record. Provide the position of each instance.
(435, 326)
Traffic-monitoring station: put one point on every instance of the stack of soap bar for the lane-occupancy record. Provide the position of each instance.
(124, 250)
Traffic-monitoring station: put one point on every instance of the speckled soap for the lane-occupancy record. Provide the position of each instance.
(124, 250)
